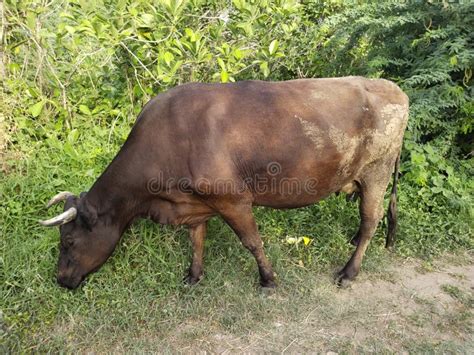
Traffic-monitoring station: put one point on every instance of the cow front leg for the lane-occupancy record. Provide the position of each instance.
(242, 222)
(197, 234)
(371, 212)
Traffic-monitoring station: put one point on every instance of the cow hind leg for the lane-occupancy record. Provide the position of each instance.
(355, 239)
(197, 234)
(240, 219)
(371, 212)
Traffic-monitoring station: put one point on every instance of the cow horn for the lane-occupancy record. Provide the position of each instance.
(58, 198)
(60, 219)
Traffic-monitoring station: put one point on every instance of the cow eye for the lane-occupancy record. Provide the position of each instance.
(68, 242)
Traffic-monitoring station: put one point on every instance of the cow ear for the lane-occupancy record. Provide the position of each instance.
(87, 213)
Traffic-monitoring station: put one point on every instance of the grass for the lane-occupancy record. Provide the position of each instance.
(467, 299)
(138, 301)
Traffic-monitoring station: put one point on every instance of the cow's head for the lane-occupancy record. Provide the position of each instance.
(86, 240)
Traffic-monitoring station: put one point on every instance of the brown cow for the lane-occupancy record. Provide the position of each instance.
(201, 150)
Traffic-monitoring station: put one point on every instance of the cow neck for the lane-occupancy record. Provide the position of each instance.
(112, 195)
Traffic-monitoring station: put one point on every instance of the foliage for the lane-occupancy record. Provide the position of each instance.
(78, 72)
(97, 60)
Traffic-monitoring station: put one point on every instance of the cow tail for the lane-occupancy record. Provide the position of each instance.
(392, 208)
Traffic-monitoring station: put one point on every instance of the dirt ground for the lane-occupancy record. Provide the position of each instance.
(411, 309)
(394, 306)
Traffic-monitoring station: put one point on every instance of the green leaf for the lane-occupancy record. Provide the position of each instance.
(453, 60)
(264, 69)
(36, 109)
(224, 76)
(85, 110)
(239, 4)
(148, 19)
(191, 34)
(238, 54)
(221, 63)
(417, 158)
(69, 150)
(168, 58)
(70, 29)
(133, 11)
(176, 66)
(31, 20)
(127, 32)
(273, 47)
(72, 136)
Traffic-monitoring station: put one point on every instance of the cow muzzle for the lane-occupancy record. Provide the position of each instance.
(69, 282)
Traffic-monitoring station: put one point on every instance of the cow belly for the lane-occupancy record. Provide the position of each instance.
(300, 191)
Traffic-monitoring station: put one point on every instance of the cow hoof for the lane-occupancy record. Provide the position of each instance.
(268, 284)
(343, 280)
(191, 280)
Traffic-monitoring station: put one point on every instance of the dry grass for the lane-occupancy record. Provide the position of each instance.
(405, 311)
(412, 313)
